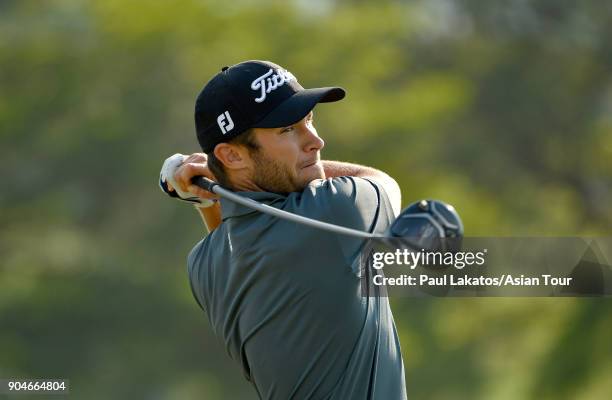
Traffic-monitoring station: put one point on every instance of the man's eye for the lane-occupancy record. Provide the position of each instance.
(287, 129)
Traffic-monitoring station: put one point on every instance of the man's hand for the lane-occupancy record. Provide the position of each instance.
(175, 180)
(176, 175)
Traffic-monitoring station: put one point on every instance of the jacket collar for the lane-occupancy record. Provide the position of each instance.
(230, 209)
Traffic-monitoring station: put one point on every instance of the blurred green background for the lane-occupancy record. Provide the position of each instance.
(502, 108)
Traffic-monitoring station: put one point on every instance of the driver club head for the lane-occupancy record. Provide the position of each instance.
(430, 225)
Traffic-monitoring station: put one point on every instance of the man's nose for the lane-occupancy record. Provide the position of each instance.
(313, 141)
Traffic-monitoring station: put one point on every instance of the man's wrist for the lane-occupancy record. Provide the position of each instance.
(211, 216)
(205, 203)
(334, 169)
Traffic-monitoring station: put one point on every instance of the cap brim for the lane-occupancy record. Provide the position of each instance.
(298, 106)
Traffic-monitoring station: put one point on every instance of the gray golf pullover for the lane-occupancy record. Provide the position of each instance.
(286, 299)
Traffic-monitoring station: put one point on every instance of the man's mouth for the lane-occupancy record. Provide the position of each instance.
(310, 164)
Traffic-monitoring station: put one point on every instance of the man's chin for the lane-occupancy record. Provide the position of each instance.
(312, 173)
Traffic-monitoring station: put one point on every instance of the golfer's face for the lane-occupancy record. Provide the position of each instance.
(289, 157)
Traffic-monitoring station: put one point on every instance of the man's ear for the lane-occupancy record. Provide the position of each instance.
(232, 156)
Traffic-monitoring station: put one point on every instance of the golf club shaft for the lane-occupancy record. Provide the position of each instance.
(214, 187)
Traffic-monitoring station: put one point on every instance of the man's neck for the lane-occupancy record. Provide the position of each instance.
(245, 185)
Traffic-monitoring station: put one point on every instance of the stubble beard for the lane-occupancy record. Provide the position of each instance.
(273, 176)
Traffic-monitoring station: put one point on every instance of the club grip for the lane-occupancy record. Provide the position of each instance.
(204, 183)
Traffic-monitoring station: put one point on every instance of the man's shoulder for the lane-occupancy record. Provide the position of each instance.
(344, 191)
(201, 249)
(196, 254)
(343, 186)
(346, 200)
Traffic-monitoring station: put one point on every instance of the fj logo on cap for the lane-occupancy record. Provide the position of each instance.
(270, 81)
(225, 122)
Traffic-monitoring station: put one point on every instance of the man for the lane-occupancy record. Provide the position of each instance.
(286, 299)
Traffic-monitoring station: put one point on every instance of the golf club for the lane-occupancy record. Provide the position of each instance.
(427, 221)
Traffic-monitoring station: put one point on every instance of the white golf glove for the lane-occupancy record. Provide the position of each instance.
(166, 176)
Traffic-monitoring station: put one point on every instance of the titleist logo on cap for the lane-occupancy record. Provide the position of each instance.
(253, 94)
(270, 81)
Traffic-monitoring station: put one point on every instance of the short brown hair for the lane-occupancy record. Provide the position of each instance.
(246, 139)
